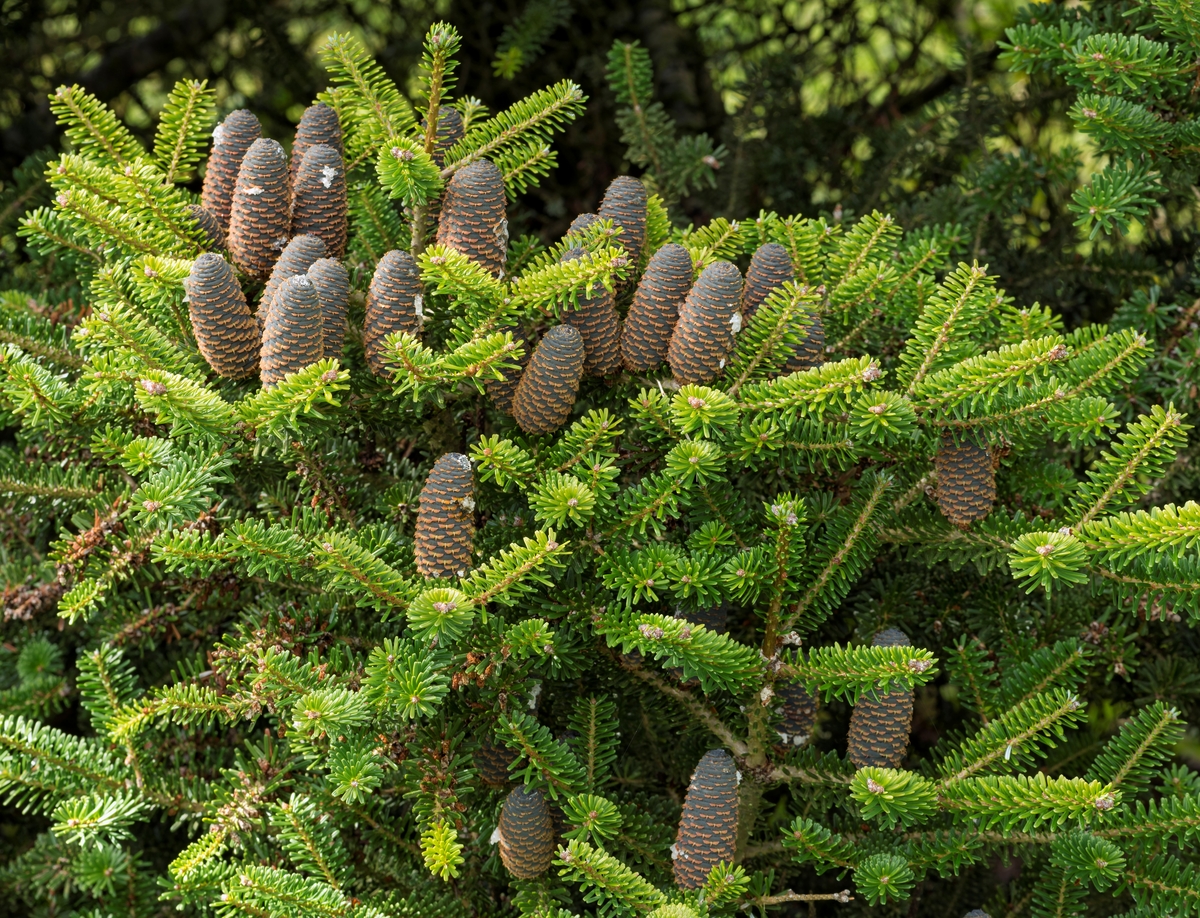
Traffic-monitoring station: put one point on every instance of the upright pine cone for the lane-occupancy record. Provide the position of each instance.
(655, 308)
(318, 125)
(394, 303)
(446, 518)
(294, 333)
(231, 139)
(810, 352)
(260, 214)
(714, 617)
(503, 390)
(798, 711)
(770, 268)
(596, 320)
(581, 223)
(966, 485)
(625, 204)
(526, 833)
(332, 281)
(225, 330)
(296, 258)
(210, 227)
(450, 131)
(879, 726)
(708, 826)
(546, 393)
(491, 762)
(319, 198)
(703, 336)
(473, 220)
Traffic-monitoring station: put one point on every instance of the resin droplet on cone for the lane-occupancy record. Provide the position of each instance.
(225, 330)
(625, 204)
(446, 518)
(297, 257)
(394, 304)
(664, 286)
(526, 833)
(332, 281)
(231, 139)
(473, 216)
(703, 336)
(966, 480)
(548, 387)
(595, 318)
(319, 198)
(318, 125)
(260, 215)
(294, 332)
(709, 823)
(879, 726)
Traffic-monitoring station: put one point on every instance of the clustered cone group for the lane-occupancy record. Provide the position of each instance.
(446, 518)
(709, 823)
(526, 833)
(966, 480)
(879, 725)
(275, 235)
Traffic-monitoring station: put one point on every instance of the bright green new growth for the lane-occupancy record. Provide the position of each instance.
(315, 748)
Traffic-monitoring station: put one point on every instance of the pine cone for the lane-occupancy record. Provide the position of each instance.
(332, 281)
(294, 333)
(225, 330)
(625, 204)
(546, 393)
(526, 833)
(810, 352)
(502, 391)
(879, 726)
(596, 320)
(703, 336)
(319, 202)
(450, 131)
(708, 826)
(799, 711)
(966, 480)
(210, 226)
(297, 257)
(231, 139)
(581, 223)
(260, 215)
(473, 218)
(655, 308)
(446, 518)
(491, 762)
(714, 618)
(318, 125)
(394, 304)
(770, 268)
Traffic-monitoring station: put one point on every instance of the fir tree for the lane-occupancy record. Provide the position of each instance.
(350, 640)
